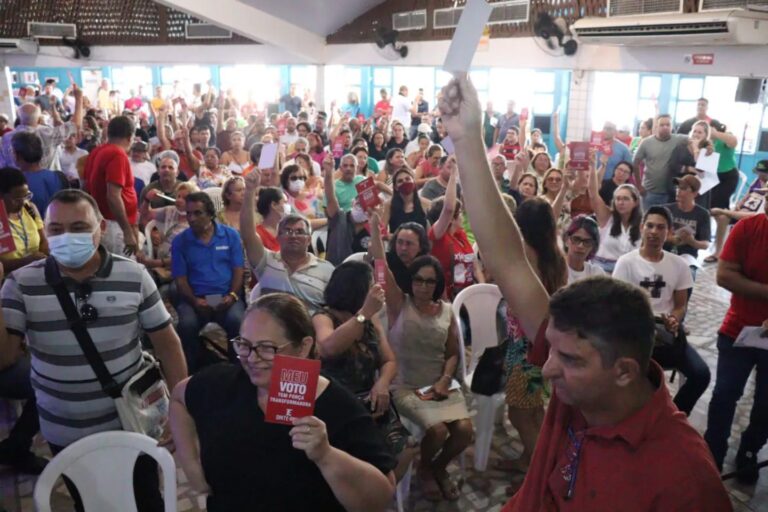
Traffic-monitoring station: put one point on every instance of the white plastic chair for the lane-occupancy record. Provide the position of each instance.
(742, 183)
(481, 302)
(101, 467)
(148, 236)
(320, 235)
(358, 256)
(215, 194)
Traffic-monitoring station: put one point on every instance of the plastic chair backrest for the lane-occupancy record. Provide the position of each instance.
(481, 302)
(215, 194)
(739, 189)
(357, 256)
(148, 236)
(101, 467)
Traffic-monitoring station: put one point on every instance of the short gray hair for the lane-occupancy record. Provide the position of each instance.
(348, 156)
(168, 153)
(293, 218)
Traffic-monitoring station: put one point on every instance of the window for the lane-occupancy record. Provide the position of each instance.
(544, 96)
(615, 99)
(689, 90)
(252, 83)
(305, 78)
(186, 76)
(765, 119)
(131, 78)
(415, 78)
(340, 81)
(511, 85)
(650, 87)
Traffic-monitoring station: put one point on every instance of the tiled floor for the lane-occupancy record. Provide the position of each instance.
(485, 491)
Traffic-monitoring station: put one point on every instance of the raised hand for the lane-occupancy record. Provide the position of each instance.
(460, 108)
(253, 180)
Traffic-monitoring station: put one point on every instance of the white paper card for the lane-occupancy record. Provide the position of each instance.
(454, 385)
(467, 35)
(268, 156)
(447, 144)
(707, 164)
(752, 337)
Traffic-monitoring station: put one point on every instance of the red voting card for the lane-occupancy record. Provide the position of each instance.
(579, 156)
(367, 194)
(338, 147)
(380, 272)
(292, 389)
(524, 114)
(6, 235)
(596, 139)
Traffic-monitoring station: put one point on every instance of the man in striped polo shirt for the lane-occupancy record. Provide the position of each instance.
(117, 298)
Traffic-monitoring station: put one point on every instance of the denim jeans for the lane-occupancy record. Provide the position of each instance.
(734, 365)
(654, 199)
(190, 324)
(688, 362)
(15, 384)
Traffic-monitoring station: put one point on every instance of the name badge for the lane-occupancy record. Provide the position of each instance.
(222, 247)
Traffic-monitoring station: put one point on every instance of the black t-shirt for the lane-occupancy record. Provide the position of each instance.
(251, 465)
(697, 220)
(607, 189)
(394, 144)
(376, 154)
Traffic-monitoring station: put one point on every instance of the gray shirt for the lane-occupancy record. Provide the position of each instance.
(660, 162)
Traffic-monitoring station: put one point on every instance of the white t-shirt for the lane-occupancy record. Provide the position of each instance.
(289, 138)
(614, 247)
(659, 279)
(590, 269)
(143, 170)
(69, 160)
(401, 110)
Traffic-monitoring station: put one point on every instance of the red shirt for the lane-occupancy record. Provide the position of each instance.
(133, 104)
(184, 165)
(747, 245)
(580, 205)
(653, 460)
(455, 254)
(382, 107)
(269, 241)
(510, 151)
(109, 163)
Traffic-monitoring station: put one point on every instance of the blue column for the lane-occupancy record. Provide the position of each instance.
(366, 90)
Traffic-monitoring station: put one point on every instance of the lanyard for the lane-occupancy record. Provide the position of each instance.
(572, 469)
(22, 233)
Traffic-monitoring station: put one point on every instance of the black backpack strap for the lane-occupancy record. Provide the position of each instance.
(78, 327)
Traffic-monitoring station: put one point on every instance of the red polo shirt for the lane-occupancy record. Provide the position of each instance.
(653, 460)
(747, 245)
(109, 163)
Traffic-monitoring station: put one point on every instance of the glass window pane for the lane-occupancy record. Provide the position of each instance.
(543, 104)
(252, 83)
(511, 85)
(765, 119)
(650, 86)
(544, 82)
(442, 78)
(685, 110)
(690, 88)
(382, 77)
(352, 75)
(304, 77)
(479, 79)
(614, 99)
(646, 109)
(415, 78)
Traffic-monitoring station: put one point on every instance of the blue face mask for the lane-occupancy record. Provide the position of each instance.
(73, 250)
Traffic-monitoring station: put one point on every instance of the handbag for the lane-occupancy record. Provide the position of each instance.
(395, 434)
(142, 403)
(489, 376)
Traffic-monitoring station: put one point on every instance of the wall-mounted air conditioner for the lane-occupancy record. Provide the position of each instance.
(18, 46)
(736, 27)
(44, 30)
(206, 31)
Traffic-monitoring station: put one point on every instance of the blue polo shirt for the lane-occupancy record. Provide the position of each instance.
(207, 267)
(620, 154)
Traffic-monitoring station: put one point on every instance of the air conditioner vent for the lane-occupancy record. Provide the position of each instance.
(42, 30)
(206, 31)
(411, 20)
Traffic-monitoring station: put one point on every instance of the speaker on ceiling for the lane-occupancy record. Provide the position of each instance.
(749, 90)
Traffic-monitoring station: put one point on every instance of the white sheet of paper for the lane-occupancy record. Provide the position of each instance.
(707, 164)
(268, 156)
(467, 35)
(751, 337)
(454, 385)
(447, 144)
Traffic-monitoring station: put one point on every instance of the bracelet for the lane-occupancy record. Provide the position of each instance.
(234, 296)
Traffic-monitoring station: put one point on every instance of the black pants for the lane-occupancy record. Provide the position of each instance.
(15, 384)
(722, 192)
(146, 485)
(684, 358)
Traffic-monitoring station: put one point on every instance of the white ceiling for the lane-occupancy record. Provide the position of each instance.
(323, 17)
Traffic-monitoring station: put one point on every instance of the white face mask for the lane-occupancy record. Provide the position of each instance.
(286, 209)
(296, 186)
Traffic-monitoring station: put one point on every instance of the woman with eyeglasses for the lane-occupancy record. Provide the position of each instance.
(25, 221)
(581, 240)
(334, 460)
(619, 224)
(555, 189)
(424, 337)
(406, 205)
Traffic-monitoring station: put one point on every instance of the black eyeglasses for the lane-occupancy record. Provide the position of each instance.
(265, 350)
(296, 178)
(428, 281)
(88, 312)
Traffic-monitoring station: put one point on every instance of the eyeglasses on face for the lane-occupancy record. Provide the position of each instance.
(293, 232)
(265, 350)
(429, 281)
(296, 177)
(586, 242)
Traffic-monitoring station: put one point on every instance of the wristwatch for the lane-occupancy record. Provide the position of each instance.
(360, 318)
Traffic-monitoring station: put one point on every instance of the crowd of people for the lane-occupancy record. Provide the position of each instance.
(162, 218)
